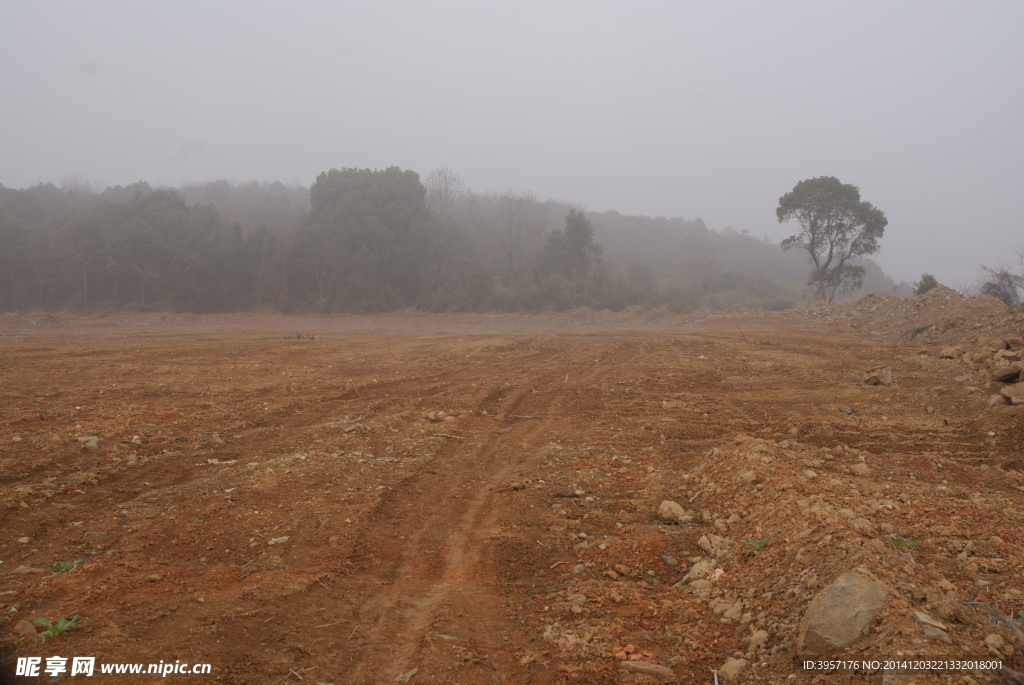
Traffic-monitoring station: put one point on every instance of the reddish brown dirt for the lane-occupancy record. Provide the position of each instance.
(377, 498)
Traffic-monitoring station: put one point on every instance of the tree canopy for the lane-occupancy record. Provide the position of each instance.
(362, 238)
(836, 228)
(926, 283)
(571, 256)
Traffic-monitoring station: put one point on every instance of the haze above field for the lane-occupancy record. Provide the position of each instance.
(675, 109)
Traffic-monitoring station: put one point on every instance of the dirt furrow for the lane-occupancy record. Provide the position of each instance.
(439, 549)
(402, 611)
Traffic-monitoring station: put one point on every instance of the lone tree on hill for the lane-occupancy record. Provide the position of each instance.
(836, 226)
(926, 283)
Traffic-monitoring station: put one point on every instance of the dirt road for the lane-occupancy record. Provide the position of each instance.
(474, 507)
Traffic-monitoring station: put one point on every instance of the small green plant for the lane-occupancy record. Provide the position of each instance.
(55, 629)
(1020, 617)
(758, 545)
(899, 542)
(59, 567)
(916, 331)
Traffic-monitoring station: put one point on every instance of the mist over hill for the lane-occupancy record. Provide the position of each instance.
(362, 240)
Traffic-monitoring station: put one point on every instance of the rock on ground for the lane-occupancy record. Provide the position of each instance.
(758, 639)
(713, 544)
(954, 352)
(671, 511)
(663, 674)
(701, 569)
(861, 469)
(730, 671)
(1013, 391)
(1007, 374)
(881, 375)
(841, 613)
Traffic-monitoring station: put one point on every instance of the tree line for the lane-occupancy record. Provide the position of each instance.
(363, 240)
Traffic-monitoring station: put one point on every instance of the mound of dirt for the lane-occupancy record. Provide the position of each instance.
(940, 316)
(980, 331)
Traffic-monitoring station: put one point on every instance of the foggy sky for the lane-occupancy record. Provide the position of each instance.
(659, 108)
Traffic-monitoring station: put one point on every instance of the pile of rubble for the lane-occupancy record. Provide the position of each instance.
(940, 316)
(1000, 361)
(773, 553)
(981, 331)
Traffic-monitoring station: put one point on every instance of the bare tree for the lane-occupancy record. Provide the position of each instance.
(706, 265)
(1003, 283)
(517, 230)
(445, 189)
(77, 183)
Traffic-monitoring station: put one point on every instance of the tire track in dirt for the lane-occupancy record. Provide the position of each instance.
(418, 580)
(417, 584)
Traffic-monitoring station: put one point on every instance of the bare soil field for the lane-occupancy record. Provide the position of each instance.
(464, 499)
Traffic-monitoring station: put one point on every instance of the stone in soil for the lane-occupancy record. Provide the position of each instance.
(746, 477)
(714, 544)
(881, 375)
(997, 646)
(841, 614)
(644, 668)
(673, 512)
(701, 569)
(730, 671)
(25, 628)
(928, 620)
(861, 469)
(1007, 374)
(952, 352)
(1011, 392)
(758, 639)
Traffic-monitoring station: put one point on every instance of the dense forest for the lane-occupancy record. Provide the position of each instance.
(362, 240)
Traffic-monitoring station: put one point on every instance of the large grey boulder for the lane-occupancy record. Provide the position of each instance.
(840, 614)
